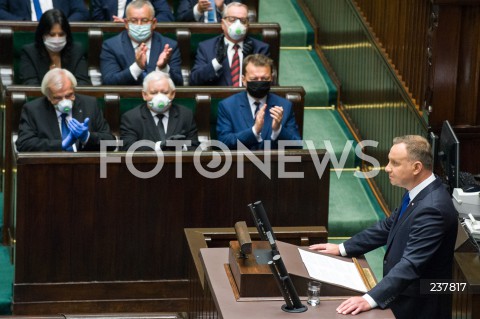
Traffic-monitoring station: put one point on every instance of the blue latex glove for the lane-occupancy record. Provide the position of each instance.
(79, 130)
(68, 142)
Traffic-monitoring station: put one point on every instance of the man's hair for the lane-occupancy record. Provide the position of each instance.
(55, 77)
(257, 60)
(233, 4)
(138, 4)
(156, 76)
(418, 149)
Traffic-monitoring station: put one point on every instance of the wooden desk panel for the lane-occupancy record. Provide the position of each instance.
(90, 244)
(227, 307)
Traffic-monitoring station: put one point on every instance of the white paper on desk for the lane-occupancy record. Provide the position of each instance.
(332, 270)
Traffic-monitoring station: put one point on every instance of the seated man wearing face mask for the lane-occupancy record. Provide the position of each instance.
(128, 57)
(219, 60)
(61, 120)
(158, 120)
(256, 115)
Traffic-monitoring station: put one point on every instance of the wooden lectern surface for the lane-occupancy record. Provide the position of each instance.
(213, 260)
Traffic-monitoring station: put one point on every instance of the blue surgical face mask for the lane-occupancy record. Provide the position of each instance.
(160, 103)
(140, 33)
(64, 106)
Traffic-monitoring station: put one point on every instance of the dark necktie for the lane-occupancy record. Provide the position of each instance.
(405, 202)
(65, 129)
(257, 107)
(235, 68)
(160, 127)
(38, 9)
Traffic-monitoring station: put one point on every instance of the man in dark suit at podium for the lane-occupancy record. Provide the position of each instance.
(419, 237)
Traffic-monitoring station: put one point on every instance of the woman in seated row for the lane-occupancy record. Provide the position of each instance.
(53, 48)
(111, 10)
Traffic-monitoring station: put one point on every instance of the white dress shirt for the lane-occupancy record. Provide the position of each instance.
(44, 5)
(230, 52)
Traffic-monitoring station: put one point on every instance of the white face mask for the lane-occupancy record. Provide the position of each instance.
(237, 30)
(55, 44)
(64, 106)
(160, 103)
(140, 33)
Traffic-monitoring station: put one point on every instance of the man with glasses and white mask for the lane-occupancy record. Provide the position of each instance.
(129, 56)
(219, 60)
(61, 120)
(158, 119)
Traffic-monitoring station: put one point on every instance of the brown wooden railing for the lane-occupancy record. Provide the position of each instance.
(401, 27)
(373, 99)
(435, 44)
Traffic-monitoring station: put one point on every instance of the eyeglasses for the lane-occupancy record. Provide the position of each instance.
(57, 98)
(233, 19)
(139, 21)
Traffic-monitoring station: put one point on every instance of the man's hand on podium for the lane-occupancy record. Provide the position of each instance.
(331, 249)
(354, 305)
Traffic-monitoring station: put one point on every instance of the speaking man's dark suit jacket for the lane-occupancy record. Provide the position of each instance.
(235, 122)
(33, 66)
(185, 10)
(419, 247)
(103, 10)
(203, 72)
(39, 130)
(138, 124)
(74, 10)
(118, 54)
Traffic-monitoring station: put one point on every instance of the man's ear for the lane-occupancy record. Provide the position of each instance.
(417, 167)
(144, 95)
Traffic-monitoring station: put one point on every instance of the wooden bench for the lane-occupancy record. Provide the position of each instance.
(88, 244)
(14, 34)
(115, 100)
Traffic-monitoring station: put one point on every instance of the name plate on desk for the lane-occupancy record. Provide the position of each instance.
(251, 273)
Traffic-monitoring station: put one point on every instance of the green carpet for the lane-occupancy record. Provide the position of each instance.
(6, 279)
(352, 205)
(303, 67)
(323, 126)
(295, 28)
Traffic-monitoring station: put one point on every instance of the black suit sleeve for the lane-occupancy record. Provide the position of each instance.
(28, 72)
(31, 136)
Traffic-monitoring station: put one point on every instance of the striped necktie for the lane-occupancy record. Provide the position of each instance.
(235, 68)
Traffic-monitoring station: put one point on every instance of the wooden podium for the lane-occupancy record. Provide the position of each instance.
(252, 277)
(220, 289)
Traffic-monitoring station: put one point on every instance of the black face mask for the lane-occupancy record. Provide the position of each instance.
(258, 89)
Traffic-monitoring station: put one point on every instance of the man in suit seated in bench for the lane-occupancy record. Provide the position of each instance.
(129, 56)
(31, 10)
(61, 120)
(159, 119)
(114, 10)
(201, 10)
(219, 60)
(254, 116)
